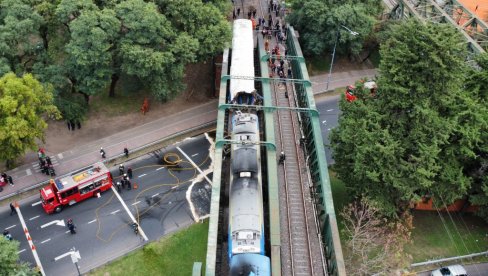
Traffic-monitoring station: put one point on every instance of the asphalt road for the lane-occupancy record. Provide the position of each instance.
(328, 107)
(162, 204)
(472, 270)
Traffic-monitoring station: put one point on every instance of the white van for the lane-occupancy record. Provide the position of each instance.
(452, 270)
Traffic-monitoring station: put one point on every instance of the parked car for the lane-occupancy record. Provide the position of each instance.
(452, 270)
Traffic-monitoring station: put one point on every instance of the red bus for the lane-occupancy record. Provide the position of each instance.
(75, 187)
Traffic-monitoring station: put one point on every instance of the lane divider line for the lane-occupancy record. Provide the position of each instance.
(129, 213)
(135, 203)
(155, 195)
(36, 203)
(33, 218)
(193, 155)
(159, 168)
(12, 226)
(46, 240)
(18, 252)
(92, 221)
(141, 175)
(29, 240)
(115, 212)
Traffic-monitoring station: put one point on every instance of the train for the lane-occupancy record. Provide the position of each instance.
(246, 236)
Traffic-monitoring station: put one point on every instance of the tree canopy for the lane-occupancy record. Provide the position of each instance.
(415, 136)
(9, 265)
(24, 105)
(319, 23)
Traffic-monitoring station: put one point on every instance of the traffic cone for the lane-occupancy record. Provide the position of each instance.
(136, 186)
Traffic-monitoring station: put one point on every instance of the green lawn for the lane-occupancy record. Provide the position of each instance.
(435, 238)
(430, 239)
(172, 255)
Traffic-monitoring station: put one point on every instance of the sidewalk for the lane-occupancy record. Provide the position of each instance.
(29, 175)
(340, 79)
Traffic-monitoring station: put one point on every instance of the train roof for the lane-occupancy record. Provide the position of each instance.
(242, 63)
(92, 173)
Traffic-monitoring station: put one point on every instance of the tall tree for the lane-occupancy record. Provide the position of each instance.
(19, 25)
(320, 24)
(25, 104)
(89, 62)
(415, 136)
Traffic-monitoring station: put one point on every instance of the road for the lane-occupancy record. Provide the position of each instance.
(328, 107)
(472, 270)
(161, 203)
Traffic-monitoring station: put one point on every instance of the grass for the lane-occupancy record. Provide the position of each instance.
(172, 255)
(430, 239)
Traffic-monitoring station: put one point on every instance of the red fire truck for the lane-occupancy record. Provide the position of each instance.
(76, 187)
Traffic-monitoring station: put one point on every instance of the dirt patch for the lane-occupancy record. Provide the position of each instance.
(199, 81)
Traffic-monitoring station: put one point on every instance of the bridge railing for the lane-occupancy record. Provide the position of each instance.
(317, 163)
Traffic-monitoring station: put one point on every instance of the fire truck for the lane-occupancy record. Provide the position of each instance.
(76, 187)
(351, 90)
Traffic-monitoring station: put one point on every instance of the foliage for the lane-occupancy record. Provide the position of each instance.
(9, 257)
(415, 136)
(320, 24)
(23, 104)
(477, 167)
(374, 244)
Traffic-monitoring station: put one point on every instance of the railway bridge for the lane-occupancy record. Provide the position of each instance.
(301, 231)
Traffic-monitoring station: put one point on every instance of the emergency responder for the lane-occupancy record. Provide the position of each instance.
(121, 169)
(48, 160)
(51, 170)
(126, 152)
(71, 226)
(119, 186)
(102, 152)
(128, 185)
(7, 235)
(129, 172)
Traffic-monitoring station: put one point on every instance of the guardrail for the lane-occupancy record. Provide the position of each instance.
(135, 153)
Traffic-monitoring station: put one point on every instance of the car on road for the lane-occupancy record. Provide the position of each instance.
(452, 270)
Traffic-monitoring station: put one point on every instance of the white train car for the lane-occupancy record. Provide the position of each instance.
(242, 91)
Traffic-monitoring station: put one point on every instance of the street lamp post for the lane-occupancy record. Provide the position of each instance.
(334, 51)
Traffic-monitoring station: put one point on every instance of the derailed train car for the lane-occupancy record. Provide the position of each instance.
(246, 239)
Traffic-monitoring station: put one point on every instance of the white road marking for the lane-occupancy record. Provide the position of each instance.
(67, 231)
(28, 172)
(60, 156)
(155, 195)
(115, 212)
(129, 213)
(58, 222)
(328, 129)
(159, 168)
(174, 187)
(11, 227)
(135, 203)
(45, 240)
(21, 251)
(194, 165)
(92, 221)
(33, 218)
(64, 255)
(142, 175)
(36, 203)
(329, 110)
(193, 155)
(324, 121)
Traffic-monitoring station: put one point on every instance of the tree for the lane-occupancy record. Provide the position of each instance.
(23, 104)
(374, 245)
(9, 257)
(19, 24)
(414, 137)
(89, 62)
(320, 21)
(477, 167)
